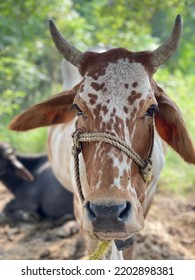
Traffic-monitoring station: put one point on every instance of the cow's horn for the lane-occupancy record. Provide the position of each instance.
(69, 52)
(162, 53)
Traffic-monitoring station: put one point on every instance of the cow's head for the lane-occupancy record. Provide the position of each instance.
(117, 96)
(10, 164)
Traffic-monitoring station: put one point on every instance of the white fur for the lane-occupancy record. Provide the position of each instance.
(130, 72)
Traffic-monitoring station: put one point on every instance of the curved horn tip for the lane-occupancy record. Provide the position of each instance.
(163, 52)
(69, 52)
(51, 24)
(178, 24)
(178, 18)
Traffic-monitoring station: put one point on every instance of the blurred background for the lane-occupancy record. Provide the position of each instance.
(30, 67)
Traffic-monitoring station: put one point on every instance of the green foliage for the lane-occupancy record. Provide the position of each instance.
(30, 66)
(116, 21)
(29, 69)
(26, 142)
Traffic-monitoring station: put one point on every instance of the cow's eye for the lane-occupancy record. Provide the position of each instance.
(79, 111)
(151, 110)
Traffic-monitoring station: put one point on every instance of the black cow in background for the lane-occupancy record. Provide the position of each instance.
(36, 190)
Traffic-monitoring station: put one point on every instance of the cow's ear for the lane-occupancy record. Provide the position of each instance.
(55, 110)
(171, 126)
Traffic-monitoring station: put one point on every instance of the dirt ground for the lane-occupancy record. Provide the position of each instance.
(169, 233)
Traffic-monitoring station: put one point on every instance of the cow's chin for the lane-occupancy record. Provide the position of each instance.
(111, 235)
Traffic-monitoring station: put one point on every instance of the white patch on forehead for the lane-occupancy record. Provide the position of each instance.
(118, 80)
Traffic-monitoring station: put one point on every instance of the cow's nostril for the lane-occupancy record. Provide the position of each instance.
(111, 213)
(125, 212)
(91, 213)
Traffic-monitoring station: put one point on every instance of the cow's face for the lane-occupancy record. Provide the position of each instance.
(118, 96)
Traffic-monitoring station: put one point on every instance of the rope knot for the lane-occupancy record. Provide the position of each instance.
(146, 171)
(76, 148)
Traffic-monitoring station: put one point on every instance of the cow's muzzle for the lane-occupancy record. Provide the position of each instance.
(108, 221)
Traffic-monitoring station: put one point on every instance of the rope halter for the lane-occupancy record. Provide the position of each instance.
(145, 166)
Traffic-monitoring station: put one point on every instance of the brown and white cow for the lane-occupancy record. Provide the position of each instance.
(116, 99)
